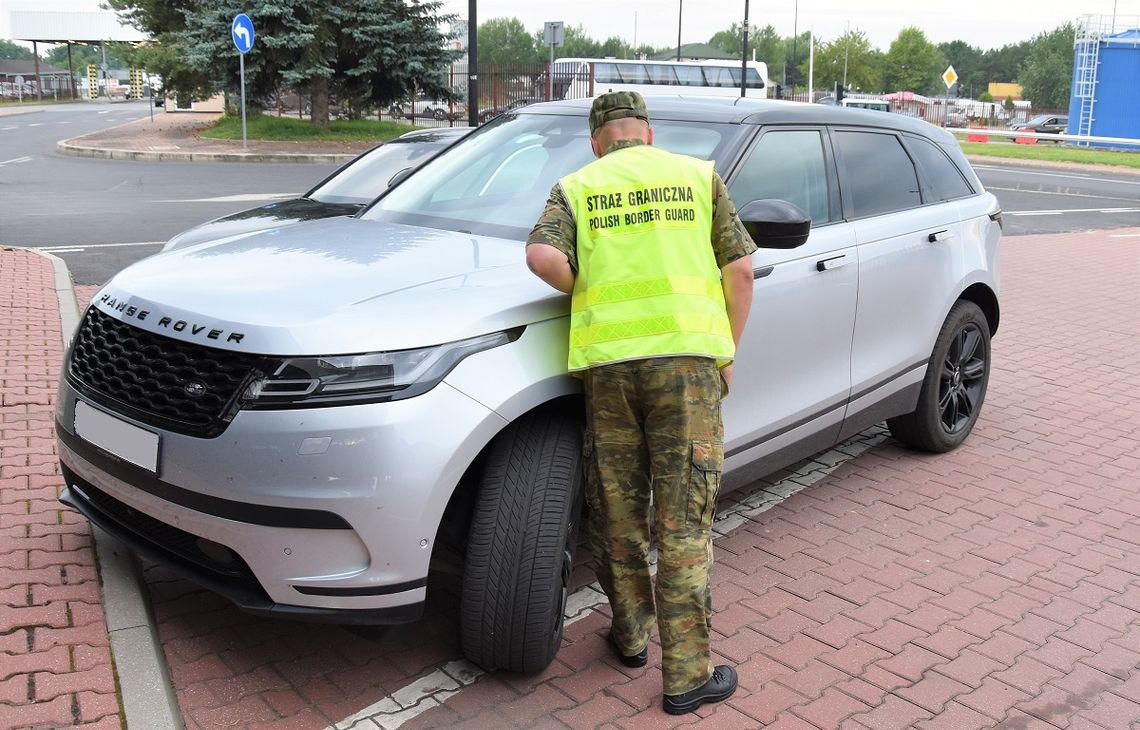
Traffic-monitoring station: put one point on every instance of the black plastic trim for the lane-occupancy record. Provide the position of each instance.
(383, 590)
(254, 514)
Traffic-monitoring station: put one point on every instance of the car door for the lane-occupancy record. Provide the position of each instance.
(792, 372)
(908, 230)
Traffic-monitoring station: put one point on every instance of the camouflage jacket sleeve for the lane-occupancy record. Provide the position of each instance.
(729, 239)
(556, 226)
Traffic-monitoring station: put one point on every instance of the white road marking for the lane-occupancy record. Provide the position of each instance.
(441, 685)
(102, 112)
(1062, 211)
(63, 122)
(15, 161)
(1124, 235)
(1066, 195)
(243, 198)
(5, 129)
(1023, 171)
(69, 249)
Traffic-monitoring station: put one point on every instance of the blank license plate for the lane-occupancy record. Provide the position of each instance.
(124, 440)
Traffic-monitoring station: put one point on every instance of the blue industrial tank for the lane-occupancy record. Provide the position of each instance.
(1106, 79)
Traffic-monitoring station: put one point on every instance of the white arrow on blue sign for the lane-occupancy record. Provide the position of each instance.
(242, 32)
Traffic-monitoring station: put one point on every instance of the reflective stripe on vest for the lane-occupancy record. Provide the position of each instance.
(647, 283)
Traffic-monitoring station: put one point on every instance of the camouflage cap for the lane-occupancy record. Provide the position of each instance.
(616, 105)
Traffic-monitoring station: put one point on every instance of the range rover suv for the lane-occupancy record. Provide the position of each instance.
(298, 418)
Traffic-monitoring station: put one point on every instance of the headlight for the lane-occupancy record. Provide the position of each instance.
(367, 378)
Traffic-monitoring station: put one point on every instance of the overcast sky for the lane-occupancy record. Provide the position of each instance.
(655, 21)
(989, 25)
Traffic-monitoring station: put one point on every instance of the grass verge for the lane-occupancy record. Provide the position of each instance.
(1051, 152)
(288, 129)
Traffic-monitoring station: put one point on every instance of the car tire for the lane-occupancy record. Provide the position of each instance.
(395, 111)
(955, 384)
(439, 114)
(520, 544)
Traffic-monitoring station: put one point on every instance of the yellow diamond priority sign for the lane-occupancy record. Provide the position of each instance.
(949, 76)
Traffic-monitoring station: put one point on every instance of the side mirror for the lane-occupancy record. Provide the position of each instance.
(775, 223)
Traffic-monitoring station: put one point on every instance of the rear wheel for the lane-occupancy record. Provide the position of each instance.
(955, 384)
(521, 542)
(439, 114)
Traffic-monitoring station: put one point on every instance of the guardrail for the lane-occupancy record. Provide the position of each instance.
(1049, 136)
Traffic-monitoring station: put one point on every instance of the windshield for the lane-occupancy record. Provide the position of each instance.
(368, 176)
(497, 182)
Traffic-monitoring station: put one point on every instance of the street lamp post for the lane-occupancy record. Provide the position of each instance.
(744, 55)
(680, 6)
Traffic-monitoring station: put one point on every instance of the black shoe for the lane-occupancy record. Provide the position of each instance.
(633, 661)
(720, 686)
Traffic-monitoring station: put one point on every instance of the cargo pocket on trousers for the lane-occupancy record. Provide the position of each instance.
(707, 460)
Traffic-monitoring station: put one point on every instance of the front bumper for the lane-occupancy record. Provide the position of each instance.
(325, 514)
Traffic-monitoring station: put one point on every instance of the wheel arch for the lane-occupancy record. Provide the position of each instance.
(451, 532)
(983, 296)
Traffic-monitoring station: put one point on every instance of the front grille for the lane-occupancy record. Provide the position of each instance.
(145, 376)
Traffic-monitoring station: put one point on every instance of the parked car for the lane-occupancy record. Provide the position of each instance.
(435, 108)
(299, 419)
(486, 115)
(1043, 123)
(344, 192)
(957, 120)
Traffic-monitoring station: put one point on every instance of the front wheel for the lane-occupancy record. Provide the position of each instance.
(520, 546)
(955, 384)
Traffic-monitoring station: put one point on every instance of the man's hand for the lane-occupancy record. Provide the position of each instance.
(726, 373)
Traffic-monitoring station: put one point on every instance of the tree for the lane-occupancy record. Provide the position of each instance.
(365, 52)
(765, 43)
(506, 41)
(854, 49)
(1004, 64)
(575, 44)
(82, 55)
(10, 51)
(913, 63)
(1046, 76)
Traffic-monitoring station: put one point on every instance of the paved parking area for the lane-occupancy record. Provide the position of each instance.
(871, 587)
(999, 583)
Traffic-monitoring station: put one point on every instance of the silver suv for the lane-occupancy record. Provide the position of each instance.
(299, 418)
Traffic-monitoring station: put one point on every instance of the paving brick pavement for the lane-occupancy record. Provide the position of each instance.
(995, 586)
(55, 660)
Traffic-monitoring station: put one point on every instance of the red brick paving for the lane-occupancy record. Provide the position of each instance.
(55, 660)
(995, 585)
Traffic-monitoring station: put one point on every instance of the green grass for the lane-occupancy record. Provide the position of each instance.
(1052, 152)
(267, 127)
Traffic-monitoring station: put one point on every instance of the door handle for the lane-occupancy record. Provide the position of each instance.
(762, 272)
(832, 263)
(943, 235)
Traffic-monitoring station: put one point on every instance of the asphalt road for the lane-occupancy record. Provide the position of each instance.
(108, 207)
(102, 215)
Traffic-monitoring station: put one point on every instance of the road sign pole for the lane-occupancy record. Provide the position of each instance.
(241, 56)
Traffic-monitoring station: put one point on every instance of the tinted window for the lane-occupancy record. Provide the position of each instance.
(663, 75)
(789, 165)
(878, 174)
(368, 176)
(941, 178)
(606, 73)
(633, 73)
(690, 75)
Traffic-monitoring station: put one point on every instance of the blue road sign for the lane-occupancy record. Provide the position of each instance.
(242, 32)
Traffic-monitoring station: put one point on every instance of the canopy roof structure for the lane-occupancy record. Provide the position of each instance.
(52, 26)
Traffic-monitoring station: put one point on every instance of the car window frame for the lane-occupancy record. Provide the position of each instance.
(841, 169)
(924, 185)
(834, 203)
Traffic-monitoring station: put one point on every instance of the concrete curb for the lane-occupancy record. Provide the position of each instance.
(145, 688)
(66, 147)
(16, 111)
(1081, 166)
(75, 148)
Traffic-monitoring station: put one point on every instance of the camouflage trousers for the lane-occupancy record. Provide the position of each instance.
(654, 428)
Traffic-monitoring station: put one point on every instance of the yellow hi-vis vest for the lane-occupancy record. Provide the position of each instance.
(648, 284)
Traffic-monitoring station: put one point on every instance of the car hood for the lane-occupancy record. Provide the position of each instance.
(274, 215)
(337, 286)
